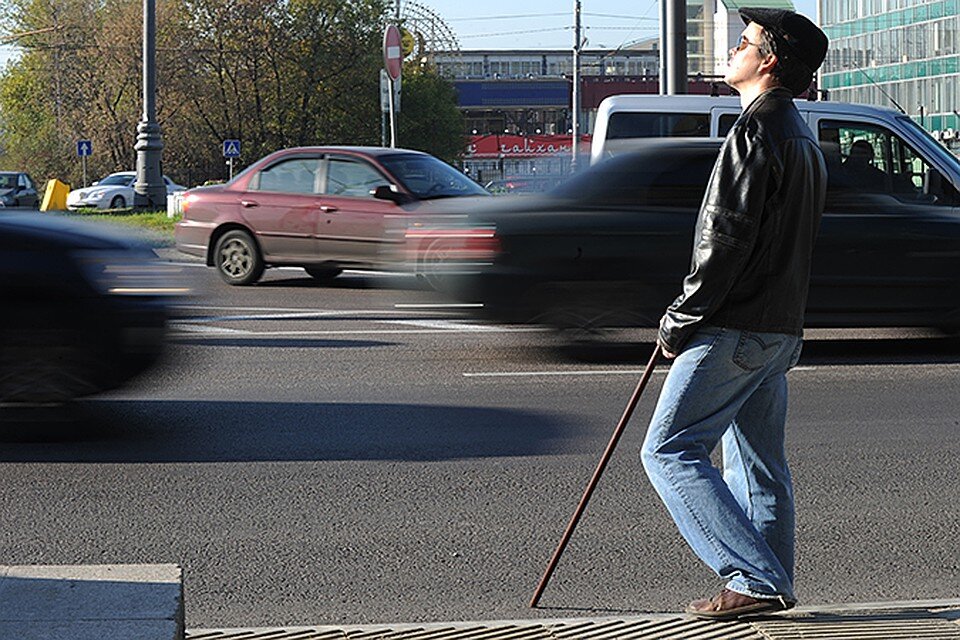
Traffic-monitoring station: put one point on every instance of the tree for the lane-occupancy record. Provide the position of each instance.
(272, 73)
(430, 119)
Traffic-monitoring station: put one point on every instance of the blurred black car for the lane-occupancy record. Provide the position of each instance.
(17, 189)
(523, 184)
(83, 309)
(610, 247)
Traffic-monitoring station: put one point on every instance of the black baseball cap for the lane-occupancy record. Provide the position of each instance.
(804, 40)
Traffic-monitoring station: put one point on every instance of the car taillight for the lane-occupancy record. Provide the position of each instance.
(187, 200)
(455, 246)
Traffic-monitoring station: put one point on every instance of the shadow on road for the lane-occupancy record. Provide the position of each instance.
(928, 350)
(817, 351)
(204, 431)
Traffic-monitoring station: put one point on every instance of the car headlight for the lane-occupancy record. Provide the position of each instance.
(132, 274)
(95, 194)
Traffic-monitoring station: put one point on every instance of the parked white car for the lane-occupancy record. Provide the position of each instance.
(113, 192)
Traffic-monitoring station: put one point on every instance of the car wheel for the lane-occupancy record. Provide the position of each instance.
(323, 274)
(118, 202)
(237, 258)
(433, 264)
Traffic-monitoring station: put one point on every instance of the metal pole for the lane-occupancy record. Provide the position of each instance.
(231, 168)
(604, 459)
(393, 118)
(664, 43)
(676, 47)
(575, 94)
(83, 161)
(149, 190)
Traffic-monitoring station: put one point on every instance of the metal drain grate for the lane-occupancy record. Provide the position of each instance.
(663, 628)
(887, 625)
(653, 628)
(919, 623)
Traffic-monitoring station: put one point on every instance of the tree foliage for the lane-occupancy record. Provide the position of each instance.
(271, 73)
(430, 120)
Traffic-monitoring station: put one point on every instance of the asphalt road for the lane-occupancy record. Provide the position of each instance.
(354, 454)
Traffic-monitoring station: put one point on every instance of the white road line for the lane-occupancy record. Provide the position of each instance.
(589, 372)
(530, 374)
(346, 332)
(261, 316)
(460, 325)
(314, 311)
(440, 305)
(199, 328)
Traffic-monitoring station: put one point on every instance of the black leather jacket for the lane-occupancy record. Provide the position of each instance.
(756, 229)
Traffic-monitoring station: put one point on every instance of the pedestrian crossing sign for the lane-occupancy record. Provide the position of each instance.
(231, 148)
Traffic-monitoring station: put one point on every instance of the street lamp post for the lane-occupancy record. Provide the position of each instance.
(149, 189)
(675, 49)
(575, 89)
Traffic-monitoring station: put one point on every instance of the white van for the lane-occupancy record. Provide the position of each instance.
(901, 148)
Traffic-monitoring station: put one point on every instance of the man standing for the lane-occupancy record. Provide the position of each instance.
(736, 329)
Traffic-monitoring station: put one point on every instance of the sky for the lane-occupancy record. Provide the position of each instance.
(544, 24)
(547, 24)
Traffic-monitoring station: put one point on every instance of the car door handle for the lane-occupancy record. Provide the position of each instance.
(327, 208)
(249, 203)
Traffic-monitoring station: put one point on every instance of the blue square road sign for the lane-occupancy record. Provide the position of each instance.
(84, 148)
(231, 148)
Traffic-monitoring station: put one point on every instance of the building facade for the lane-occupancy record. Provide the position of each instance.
(517, 103)
(897, 52)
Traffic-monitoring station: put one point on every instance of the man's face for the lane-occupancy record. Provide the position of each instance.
(745, 59)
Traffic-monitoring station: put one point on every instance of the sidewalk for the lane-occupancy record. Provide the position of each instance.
(918, 620)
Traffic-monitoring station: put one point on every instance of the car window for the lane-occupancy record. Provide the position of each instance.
(353, 178)
(295, 175)
(726, 123)
(428, 177)
(674, 179)
(625, 124)
(867, 158)
(7, 181)
(114, 180)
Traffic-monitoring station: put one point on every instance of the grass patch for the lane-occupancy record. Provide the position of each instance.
(154, 227)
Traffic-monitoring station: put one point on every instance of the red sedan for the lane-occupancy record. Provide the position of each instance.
(321, 208)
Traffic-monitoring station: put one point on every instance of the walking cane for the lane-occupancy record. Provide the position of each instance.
(631, 405)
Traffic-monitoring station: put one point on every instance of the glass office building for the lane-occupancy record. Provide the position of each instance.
(897, 51)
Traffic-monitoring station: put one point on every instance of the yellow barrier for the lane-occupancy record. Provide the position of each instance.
(55, 196)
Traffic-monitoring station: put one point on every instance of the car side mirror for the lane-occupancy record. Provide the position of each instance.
(391, 193)
(94, 183)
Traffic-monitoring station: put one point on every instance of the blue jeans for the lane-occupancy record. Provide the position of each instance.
(729, 385)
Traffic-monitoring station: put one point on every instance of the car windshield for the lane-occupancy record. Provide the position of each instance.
(936, 146)
(116, 179)
(428, 178)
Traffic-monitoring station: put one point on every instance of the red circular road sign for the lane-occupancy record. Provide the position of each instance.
(392, 57)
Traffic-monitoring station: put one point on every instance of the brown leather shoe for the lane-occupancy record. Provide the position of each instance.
(730, 605)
